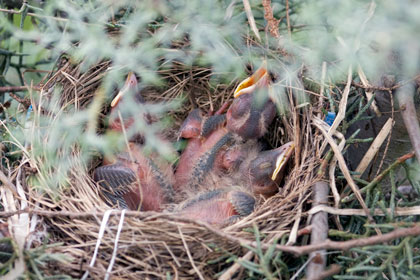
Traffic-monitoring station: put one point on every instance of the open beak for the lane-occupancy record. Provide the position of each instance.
(249, 84)
(282, 159)
(130, 83)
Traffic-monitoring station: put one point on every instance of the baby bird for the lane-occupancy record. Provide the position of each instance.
(133, 180)
(251, 112)
(218, 207)
(253, 173)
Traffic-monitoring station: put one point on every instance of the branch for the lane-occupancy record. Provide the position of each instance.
(251, 19)
(380, 177)
(53, 18)
(319, 231)
(25, 102)
(6, 182)
(18, 88)
(342, 164)
(346, 245)
(405, 97)
(33, 15)
(334, 269)
(273, 24)
(289, 30)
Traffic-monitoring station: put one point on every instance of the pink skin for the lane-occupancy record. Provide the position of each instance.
(222, 109)
(190, 130)
(147, 194)
(244, 117)
(186, 163)
(249, 122)
(196, 147)
(212, 211)
(231, 158)
(151, 193)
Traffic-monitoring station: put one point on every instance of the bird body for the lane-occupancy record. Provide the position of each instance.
(133, 180)
(206, 138)
(247, 118)
(221, 170)
(219, 206)
(136, 181)
(252, 111)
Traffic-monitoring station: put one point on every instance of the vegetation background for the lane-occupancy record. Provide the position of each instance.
(309, 46)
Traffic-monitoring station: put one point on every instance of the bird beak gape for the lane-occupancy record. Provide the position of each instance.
(283, 158)
(249, 84)
(130, 83)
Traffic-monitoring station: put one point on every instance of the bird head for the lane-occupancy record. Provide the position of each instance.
(130, 84)
(191, 127)
(251, 112)
(266, 170)
(259, 79)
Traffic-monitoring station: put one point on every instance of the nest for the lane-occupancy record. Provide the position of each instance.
(158, 245)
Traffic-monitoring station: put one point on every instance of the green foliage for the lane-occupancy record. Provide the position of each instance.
(147, 32)
(147, 36)
(39, 258)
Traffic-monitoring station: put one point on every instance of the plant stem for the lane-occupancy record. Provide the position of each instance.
(405, 97)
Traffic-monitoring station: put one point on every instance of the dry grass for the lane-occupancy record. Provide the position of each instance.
(153, 245)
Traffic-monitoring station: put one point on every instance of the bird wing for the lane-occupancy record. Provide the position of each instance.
(115, 180)
(211, 124)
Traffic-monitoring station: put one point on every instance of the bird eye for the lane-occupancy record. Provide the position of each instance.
(265, 165)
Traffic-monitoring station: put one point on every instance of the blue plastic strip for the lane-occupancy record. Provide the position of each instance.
(329, 118)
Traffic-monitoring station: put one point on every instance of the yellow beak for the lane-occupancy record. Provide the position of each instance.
(249, 83)
(130, 83)
(283, 158)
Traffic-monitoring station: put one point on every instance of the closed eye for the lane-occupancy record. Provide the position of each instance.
(265, 165)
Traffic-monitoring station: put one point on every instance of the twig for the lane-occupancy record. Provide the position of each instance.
(114, 253)
(333, 165)
(319, 231)
(334, 269)
(25, 102)
(33, 15)
(346, 245)
(342, 109)
(321, 90)
(251, 19)
(374, 147)
(369, 93)
(53, 18)
(295, 228)
(296, 250)
(343, 167)
(289, 30)
(228, 274)
(189, 254)
(371, 87)
(18, 88)
(405, 96)
(104, 223)
(397, 211)
(6, 182)
(388, 142)
(380, 177)
(273, 24)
